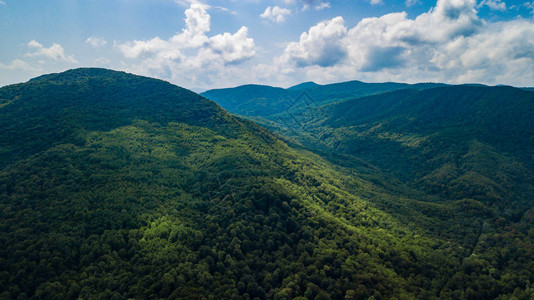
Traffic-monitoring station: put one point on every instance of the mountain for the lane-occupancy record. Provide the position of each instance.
(414, 133)
(464, 146)
(457, 142)
(261, 101)
(60, 108)
(120, 186)
(252, 100)
(304, 86)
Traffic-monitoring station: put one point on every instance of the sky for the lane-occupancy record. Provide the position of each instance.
(209, 44)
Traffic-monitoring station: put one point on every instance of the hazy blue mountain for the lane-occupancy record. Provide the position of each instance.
(304, 86)
(254, 100)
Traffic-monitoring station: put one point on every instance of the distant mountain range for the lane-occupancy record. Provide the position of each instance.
(114, 185)
(257, 100)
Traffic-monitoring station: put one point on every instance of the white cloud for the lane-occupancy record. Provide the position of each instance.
(529, 5)
(191, 57)
(19, 64)
(308, 4)
(186, 3)
(2, 2)
(55, 52)
(494, 4)
(409, 3)
(18, 71)
(503, 52)
(232, 48)
(95, 42)
(322, 45)
(322, 5)
(276, 14)
(375, 2)
(386, 42)
(197, 20)
(449, 43)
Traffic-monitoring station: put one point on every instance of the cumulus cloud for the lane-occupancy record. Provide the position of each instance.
(322, 45)
(2, 2)
(505, 51)
(448, 43)
(276, 14)
(232, 48)
(190, 57)
(55, 52)
(375, 2)
(494, 4)
(95, 42)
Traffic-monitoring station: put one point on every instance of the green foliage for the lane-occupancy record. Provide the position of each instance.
(455, 160)
(118, 186)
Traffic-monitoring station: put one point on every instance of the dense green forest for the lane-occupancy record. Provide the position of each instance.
(118, 186)
(455, 145)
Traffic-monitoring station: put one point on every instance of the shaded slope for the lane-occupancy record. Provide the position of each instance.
(434, 122)
(456, 142)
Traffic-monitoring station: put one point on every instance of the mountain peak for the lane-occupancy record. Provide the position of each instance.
(64, 104)
(304, 86)
(74, 74)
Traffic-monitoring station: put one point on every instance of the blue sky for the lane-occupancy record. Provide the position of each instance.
(221, 43)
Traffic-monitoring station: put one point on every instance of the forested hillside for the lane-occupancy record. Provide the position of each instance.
(119, 186)
(464, 146)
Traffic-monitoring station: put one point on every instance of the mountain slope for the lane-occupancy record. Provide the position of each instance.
(425, 124)
(119, 186)
(466, 147)
(470, 146)
(304, 86)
